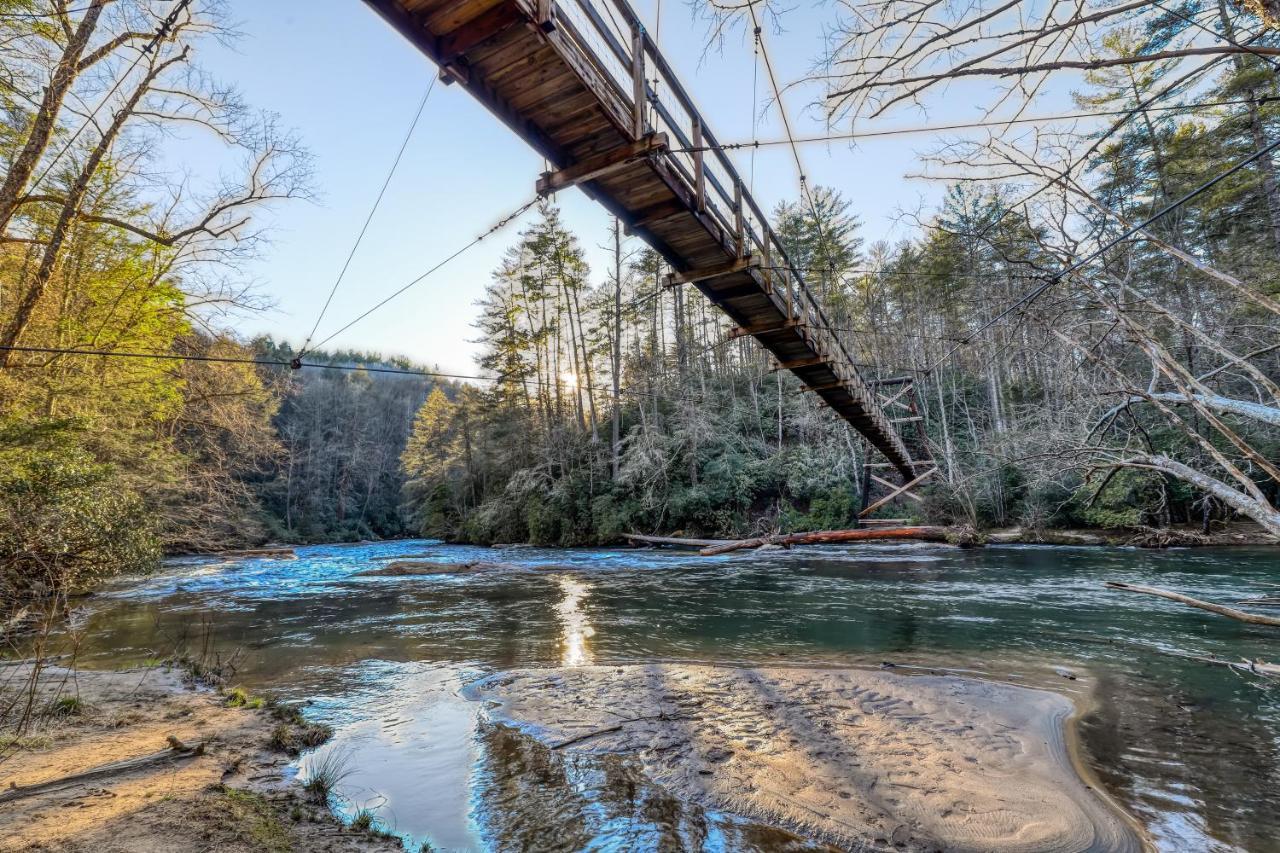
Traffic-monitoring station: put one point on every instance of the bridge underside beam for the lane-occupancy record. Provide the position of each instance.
(594, 168)
(720, 270)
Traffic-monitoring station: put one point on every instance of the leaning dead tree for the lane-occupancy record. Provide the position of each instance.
(1171, 353)
(1190, 355)
(889, 52)
(92, 91)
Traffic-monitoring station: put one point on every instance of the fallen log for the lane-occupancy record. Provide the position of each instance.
(279, 553)
(825, 537)
(1221, 610)
(178, 752)
(674, 540)
(1252, 667)
(423, 568)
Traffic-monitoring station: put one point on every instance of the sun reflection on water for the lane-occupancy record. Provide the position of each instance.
(573, 623)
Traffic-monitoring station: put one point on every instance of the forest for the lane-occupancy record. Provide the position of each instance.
(747, 505)
(1138, 393)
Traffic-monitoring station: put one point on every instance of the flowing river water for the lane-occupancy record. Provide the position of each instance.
(1191, 750)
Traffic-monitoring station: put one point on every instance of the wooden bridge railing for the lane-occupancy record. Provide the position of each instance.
(649, 94)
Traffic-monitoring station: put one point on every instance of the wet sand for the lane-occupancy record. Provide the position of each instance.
(226, 790)
(858, 758)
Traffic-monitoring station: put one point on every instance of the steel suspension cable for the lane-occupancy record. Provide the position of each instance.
(943, 128)
(296, 364)
(804, 188)
(372, 210)
(506, 220)
(755, 109)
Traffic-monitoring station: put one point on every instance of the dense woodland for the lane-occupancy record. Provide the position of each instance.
(1140, 390)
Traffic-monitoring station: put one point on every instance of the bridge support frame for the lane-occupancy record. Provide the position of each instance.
(600, 165)
(674, 279)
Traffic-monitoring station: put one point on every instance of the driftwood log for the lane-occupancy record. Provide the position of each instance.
(922, 534)
(178, 752)
(675, 540)
(1221, 610)
(279, 553)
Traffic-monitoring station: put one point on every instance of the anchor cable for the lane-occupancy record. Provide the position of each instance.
(372, 210)
(502, 223)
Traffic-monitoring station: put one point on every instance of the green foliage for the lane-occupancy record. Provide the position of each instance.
(1127, 499)
(323, 774)
(833, 511)
(238, 697)
(67, 521)
(344, 433)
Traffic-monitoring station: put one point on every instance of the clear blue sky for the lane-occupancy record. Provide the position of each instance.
(350, 85)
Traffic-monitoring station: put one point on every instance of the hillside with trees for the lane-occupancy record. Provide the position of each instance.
(1139, 390)
(133, 421)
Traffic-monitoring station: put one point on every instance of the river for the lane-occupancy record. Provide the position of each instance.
(1192, 750)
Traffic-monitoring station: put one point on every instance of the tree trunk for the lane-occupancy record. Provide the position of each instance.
(71, 210)
(1266, 516)
(823, 537)
(46, 118)
(617, 348)
(1229, 612)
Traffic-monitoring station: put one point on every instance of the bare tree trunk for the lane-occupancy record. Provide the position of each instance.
(46, 118)
(617, 348)
(71, 209)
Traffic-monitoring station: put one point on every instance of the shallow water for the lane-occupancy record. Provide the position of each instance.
(1192, 750)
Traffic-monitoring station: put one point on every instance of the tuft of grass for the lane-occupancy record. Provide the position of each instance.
(238, 697)
(323, 774)
(282, 739)
(367, 822)
(25, 742)
(293, 739)
(251, 817)
(313, 735)
(363, 821)
(286, 713)
(68, 706)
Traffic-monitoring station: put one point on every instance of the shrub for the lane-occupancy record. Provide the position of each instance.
(66, 521)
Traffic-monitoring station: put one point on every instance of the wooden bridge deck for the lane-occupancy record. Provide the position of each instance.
(581, 81)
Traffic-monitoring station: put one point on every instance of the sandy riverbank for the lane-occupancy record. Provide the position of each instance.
(224, 788)
(862, 759)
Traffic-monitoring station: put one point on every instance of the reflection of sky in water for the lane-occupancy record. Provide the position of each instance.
(370, 650)
(405, 741)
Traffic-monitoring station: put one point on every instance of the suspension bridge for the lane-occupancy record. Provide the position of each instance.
(582, 82)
